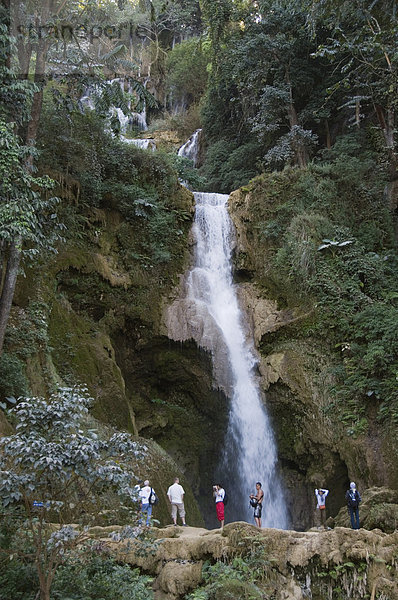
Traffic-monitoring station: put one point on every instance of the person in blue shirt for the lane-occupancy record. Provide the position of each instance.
(353, 499)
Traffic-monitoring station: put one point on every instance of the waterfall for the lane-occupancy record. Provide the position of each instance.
(133, 119)
(143, 143)
(123, 120)
(191, 148)
(209, 313)
(249, 454)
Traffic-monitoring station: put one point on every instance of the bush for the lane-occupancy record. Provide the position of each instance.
(186, 72)
(233, 581)
(13, 381)
(228, 166)
(100, 577)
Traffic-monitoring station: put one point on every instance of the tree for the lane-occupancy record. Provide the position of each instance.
(27, 218)
(283, 77)
(54, 474)
(362, 44)
(263, 79)
(34, 32)
(186, 72)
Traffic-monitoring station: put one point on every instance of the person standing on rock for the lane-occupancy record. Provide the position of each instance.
(353, 499)
(257, 502)
(175, 494)
(219, 495)
(321, 504)
(146, 506)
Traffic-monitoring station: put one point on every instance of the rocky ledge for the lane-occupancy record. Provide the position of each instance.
(295, 565)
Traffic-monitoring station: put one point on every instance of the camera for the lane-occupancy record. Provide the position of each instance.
(214, 487)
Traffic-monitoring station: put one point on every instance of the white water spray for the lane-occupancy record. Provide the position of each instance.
(143, 143)
(249, 454)
(191, 148)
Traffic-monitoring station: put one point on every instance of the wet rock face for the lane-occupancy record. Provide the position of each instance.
(171, 389)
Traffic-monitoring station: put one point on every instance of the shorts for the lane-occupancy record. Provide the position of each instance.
(258, 510)
(220, 510)
(146, 508)
(181, 510)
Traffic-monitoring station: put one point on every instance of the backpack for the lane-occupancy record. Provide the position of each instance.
(153, 499)
(225, 498)
(353, 501)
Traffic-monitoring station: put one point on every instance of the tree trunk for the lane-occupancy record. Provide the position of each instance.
(44, 594)
(357, 113)
(386, 122)
(328, 137)
(33, 125)
(10, 280)
(45, 586)
(301, 152)
(2, 263)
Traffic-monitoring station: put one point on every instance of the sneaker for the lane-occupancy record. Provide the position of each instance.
(184, 525)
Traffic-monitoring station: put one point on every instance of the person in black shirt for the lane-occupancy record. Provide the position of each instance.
(353, 499)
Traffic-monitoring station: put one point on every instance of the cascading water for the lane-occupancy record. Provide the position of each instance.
(132, 119)
(210, 314)
(143, 143)
(191, 148)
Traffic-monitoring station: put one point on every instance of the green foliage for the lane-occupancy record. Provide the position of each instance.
(227, 582)
(186, 72)
(187, 172)
(238, 577)
(24, 212)
(15, 93)
(287, 76)
(99, 576)
(371, 42)
(111, 174)
(228, 166)
(13, 381)
(347, 272)
(18, 577)
(52, 473)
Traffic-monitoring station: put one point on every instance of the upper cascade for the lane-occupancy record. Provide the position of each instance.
(191, 148)
(143, 143)
(132, 119)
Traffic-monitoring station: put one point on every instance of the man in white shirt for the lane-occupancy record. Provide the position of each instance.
(146, 506)
(175, 494)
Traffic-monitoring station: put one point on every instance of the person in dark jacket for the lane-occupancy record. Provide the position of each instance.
(353, 499)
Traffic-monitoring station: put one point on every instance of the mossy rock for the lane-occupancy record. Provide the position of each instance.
(383, 516)
(86, 355)
(234, 589)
